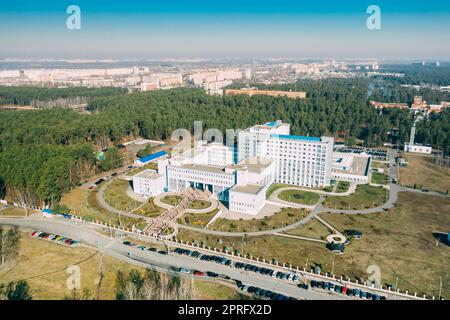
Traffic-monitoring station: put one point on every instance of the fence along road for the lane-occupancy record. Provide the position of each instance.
(81, 230)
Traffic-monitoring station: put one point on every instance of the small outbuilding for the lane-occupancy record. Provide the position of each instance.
(47, 213)
(354, 234)
(337, 248)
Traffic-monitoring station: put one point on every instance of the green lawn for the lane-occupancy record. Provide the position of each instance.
(197, 219)
(149, 209)
(171, 200)
(116, 196)
(380, 178)
(282, 218)
(199, 204)
(365, 196)
(275, 186)
(84, 203)
(342, 186)
(313, 229)
(299, 196)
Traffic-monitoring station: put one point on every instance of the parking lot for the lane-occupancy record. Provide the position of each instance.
(55, 238)
(377, 154)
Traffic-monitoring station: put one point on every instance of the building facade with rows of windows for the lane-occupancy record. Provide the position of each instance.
(240, 176)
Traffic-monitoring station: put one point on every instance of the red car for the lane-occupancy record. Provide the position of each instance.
(199, 273)
(35, 234)
(344, 290)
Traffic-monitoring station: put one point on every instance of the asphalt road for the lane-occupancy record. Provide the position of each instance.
(115, 248)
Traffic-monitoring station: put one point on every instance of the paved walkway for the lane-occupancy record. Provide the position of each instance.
(287, 235)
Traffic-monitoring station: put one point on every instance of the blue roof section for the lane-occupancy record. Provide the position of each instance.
(291, 137)
(48, 211)
(153, 156)
(271, 124)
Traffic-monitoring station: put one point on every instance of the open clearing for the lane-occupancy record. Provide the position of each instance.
(424, 174)
(401, 242)
(365, 196)
(43, 264)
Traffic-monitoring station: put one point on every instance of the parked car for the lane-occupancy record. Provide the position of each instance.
(212, 274)
(183, 270)
(303, 286)
(127, 243)
(162, 252)
(199, 273)
(151, 249)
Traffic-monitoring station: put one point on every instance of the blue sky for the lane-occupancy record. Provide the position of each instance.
(198, 28)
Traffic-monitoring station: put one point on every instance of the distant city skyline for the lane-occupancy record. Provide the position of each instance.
(413, 30)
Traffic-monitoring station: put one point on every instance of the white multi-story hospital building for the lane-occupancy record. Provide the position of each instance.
(240, 176)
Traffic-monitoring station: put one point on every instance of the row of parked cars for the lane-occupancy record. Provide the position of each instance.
(266, 271)
(262, 293)
(347, 291)
(54, 237)
(203, 257)
(140, 247)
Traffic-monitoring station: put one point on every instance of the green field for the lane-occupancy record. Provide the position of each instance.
(380, 178)
(365, 196)
(282, 218)
(299, 196)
